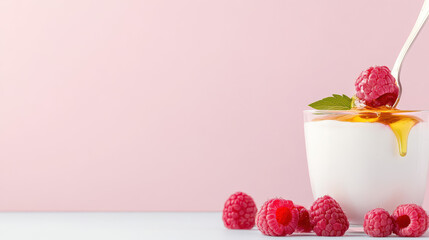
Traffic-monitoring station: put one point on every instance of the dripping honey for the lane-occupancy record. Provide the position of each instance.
(398, 121)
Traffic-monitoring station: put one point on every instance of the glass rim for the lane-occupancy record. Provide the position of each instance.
(359, 111)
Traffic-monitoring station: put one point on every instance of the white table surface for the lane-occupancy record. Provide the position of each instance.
(124, 226)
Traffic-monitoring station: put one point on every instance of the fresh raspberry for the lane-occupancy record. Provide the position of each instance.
(376, 87)
(304, 224)
(239, 211)
(410, 220)
(328, 218)
(277, 217)
(378, 223)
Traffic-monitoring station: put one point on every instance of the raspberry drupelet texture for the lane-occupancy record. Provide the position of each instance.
(239, 211)
(304, 224)
(378, 223)
(277, 217)
(328, 218)
(376, 87)
(410, 220)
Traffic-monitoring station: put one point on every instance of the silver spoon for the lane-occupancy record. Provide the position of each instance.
(396, 70)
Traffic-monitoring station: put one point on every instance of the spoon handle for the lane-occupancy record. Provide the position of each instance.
(423, 16)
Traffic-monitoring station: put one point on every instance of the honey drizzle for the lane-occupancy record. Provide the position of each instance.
(400, 124)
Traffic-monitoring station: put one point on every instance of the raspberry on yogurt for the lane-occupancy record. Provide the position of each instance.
(376, 87)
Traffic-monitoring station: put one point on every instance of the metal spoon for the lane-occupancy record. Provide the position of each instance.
(396, 70)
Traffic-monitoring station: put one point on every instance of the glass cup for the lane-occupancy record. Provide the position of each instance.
(365, 160)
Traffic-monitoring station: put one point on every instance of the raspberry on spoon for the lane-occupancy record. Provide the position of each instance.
(376, 87)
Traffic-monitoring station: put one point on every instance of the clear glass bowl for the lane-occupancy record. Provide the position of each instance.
(355, 158)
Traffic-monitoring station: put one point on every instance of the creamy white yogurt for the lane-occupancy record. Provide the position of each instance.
(359, 165)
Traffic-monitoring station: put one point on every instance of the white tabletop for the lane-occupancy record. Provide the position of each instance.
(124, 226)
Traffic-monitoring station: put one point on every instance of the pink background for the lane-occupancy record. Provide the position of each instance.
(174, 105)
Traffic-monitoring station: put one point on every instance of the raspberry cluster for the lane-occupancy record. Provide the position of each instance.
(281, 217)
(325, 217)
(408, 220)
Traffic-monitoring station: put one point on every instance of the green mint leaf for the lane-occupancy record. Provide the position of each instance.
(336, 102)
